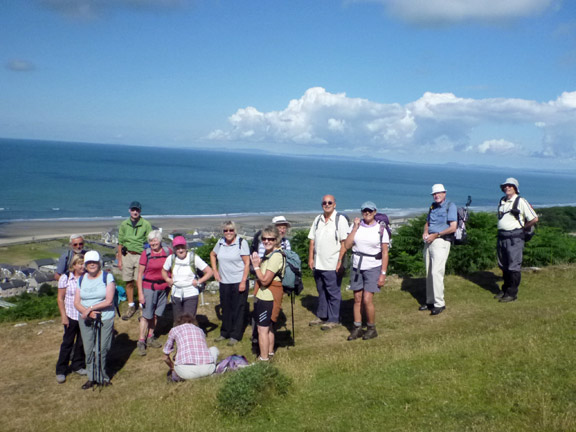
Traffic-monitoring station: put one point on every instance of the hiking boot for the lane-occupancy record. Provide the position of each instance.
(507, 299)
(141, 347)
(316, 322)
(60, 379)
(88, 385)
(129, 313)
(81, 371)
(355, 333)
(232, 342)
(328, 326)
(153, 342)
(499, 295)
(219, 338)
(371, 333)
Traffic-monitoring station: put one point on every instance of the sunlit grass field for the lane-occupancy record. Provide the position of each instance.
(479, 366)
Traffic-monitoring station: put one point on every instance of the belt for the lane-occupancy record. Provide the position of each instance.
(134, 253)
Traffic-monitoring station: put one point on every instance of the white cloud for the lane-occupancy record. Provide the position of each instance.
(454, 11)
(19, 65)
(93, 8)
(438, 122)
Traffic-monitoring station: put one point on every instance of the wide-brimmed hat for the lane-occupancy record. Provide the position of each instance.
(179, 241)
(91, 256)
(511, 181)
(368, 205)
(280, 220)
(437, 188)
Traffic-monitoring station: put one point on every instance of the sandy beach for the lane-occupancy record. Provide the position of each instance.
(14, 232)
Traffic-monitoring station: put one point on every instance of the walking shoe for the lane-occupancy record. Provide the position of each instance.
(499, 295)
(371, 333)
(316, 322)
(60, 379)
(328, 326)
(81, 371)
(106, 383)
(141, 347)
(355, 333)
(424, 308)
(232, 342)
(507, 299)
(88, 385)
(437, 310)
(153, 342)
(220, 338)
(129, 313)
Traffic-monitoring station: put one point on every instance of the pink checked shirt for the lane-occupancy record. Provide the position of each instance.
(192, 348)
(69, 283)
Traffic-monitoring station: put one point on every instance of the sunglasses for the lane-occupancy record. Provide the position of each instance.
(366, 210)
(78, 244)
(327, 203)
(228, 230)
(270, 239)
(135, 209)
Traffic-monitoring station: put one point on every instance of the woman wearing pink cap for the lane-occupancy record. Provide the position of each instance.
(180, 271)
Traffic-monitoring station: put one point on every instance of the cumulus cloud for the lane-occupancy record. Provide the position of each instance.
(94, 8)
(438, 122)
(454, 11)
(18, 65)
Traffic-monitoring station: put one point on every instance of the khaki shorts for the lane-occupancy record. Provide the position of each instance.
(130, 263)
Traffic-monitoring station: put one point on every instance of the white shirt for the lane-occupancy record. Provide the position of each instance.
(183, 275)
(327, 240)
(367, 240)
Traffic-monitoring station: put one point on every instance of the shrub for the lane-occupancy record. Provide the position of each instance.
(204, 250)
(250, 387)
(300, 243)
(47, 290)
(30, 306)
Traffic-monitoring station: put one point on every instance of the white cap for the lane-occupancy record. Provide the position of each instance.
(92, 255)
(280, 220)
(438, 188)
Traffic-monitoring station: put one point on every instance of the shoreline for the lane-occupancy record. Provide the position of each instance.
(27, 231)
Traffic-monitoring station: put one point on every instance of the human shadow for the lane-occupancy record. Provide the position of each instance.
(166, 322)
(347, 313)
(416, 287)
(120, 351)
(485, 280)
(309, 302)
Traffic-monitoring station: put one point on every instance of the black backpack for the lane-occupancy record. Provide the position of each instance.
(516, 213)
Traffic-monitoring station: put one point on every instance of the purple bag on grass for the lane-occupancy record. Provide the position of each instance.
(232, 362)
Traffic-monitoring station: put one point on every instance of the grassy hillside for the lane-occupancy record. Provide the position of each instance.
(480, 366)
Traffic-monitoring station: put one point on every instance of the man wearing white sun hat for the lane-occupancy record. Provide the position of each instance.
(438, 234)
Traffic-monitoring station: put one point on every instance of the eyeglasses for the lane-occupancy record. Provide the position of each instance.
(78, 244)
(327, 203)
(268, 239)
(367, 210)
(228, 230)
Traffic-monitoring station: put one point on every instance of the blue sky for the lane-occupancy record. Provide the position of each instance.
(489, 83)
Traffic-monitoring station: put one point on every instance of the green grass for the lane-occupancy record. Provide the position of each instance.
(480, 366)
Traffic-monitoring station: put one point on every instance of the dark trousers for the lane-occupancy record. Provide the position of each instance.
(186, 305)
(71, 348)
(510, 249)
(329, 295)
(234, 307)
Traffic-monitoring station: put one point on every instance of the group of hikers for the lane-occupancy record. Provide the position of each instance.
(158, 272)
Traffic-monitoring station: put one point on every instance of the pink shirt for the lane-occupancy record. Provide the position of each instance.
(70, 284)
(192, 347)
(153, 270)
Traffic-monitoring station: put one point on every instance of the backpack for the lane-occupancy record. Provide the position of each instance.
(384, 222)
(460, 236)
(338, 216)
(230, 363)
(149, 257)
(292, 266)
(117, 292)
(516, 213)
(199, 273)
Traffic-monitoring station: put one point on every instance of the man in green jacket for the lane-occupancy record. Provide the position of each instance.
(132, 235)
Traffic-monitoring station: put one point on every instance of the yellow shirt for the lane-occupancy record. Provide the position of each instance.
(275, 263)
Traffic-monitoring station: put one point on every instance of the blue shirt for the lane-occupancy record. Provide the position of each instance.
(440, 216)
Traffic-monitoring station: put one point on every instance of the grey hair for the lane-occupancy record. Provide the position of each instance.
(229, 224)
(76, 236)
(155, 234)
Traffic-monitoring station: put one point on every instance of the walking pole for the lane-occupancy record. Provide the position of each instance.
(98, 324)
(292, 295)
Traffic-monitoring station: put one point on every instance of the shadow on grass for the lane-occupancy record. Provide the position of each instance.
(120, 351)
(485, 280)
(416, 287)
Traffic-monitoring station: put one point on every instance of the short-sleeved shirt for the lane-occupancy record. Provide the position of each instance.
(65, 260)
(153, 272)
(134, 235)
(327, 240)
(274, 262)
(508, 221)
(367, 241)
(284, 244)
(192, 347)
(182, 275)
(70, 284)
(440, 216)
(230, 262)
(93, 291)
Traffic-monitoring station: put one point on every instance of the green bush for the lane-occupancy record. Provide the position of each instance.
(300, 243)
(30, 306)
(204, 250)
(563, 218)
(549, 246)
(250, 387)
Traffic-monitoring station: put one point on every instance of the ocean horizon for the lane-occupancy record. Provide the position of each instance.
(50, 180)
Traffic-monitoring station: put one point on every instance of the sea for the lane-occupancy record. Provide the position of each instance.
(63, 180)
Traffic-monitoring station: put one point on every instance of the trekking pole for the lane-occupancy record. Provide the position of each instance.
(98, 324)
(292, 295)
(95, 344)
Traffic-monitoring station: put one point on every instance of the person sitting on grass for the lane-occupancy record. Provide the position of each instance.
(268, 290)
(193, 357)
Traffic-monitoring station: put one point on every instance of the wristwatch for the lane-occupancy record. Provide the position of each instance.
(383, 272)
